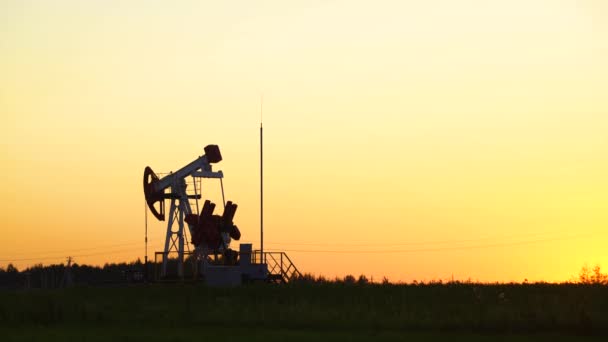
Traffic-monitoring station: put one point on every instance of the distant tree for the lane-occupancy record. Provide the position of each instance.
(362, 280)
(584, 275)
(592, 276)
(11, 269)
(307, 278)
(597, 277)
(349, 279)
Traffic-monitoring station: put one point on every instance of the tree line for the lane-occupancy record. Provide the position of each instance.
(67, 275)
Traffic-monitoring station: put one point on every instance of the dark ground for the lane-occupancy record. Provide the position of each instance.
(94, 334)
(298, 312)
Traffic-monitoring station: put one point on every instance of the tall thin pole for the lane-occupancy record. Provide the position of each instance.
(146, 241)
(261, 184)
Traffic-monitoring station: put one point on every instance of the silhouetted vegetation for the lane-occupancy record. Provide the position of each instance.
(54, 276)
(454, 306)
(311, 303)
(58, 275)
(592, 276)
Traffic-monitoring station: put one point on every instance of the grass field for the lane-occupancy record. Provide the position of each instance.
(334, 311)
(71, 333)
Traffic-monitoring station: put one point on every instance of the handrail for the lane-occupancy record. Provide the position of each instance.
(279, 265)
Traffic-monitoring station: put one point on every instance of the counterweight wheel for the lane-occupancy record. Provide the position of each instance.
(153, 197)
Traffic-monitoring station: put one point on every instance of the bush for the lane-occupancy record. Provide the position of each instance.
(592, 276)
(362, 280)
(11, 269)
(349, 279)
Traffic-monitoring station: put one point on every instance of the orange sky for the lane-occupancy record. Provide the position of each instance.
(408, 139)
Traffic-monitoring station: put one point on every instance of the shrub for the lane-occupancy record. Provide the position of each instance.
(592, 276)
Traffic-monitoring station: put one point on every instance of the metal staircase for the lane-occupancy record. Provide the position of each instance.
(280, 267)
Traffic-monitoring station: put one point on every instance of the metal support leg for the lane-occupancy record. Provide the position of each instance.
(168, 239)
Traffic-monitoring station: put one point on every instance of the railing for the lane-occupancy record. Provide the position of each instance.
(280, 266)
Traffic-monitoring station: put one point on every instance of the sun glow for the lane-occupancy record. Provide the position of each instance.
(408, 139)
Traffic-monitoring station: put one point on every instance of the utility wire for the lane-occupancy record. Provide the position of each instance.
(69, 250)
(75, 256)
(383, 251)
(439, 242)
(438, 248)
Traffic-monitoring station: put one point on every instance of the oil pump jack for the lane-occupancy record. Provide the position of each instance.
(210, 234)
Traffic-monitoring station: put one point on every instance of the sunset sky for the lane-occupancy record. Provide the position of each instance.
(408, 139)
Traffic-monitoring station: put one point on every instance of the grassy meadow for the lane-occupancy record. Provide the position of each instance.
(330, 311)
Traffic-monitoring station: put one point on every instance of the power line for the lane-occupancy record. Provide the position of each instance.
(78, 256)
(81, 249)
(383, 251)
(438, 242)
(419, 243)
(438, 248)
(70, 250)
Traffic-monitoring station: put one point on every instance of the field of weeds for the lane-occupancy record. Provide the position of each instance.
(345, 311)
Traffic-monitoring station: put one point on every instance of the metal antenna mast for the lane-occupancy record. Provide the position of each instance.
(261, 182)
